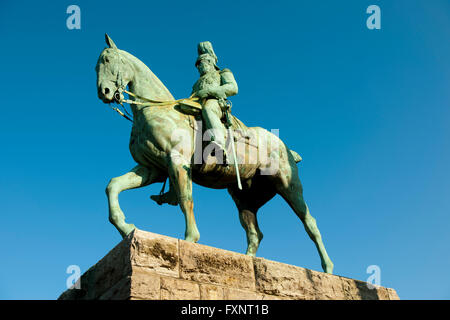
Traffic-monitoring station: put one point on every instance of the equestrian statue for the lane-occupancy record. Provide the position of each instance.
(197, 139)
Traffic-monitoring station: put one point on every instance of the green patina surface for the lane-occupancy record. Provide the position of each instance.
(155, 146)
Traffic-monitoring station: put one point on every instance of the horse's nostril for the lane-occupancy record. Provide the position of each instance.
(106, 90)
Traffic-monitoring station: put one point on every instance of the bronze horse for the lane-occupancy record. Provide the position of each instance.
(158, 157)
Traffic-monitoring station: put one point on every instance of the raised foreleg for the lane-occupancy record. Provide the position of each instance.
(139, 176)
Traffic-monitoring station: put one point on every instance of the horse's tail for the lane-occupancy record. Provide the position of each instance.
(296, 156)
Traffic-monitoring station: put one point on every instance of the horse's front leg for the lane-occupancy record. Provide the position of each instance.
(139, 176)
(180, 176)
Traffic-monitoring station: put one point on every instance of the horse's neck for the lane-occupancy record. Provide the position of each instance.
(144, 82)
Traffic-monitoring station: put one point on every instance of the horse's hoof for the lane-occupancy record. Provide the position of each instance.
(126, 230)
(328, 267)
(192, 238)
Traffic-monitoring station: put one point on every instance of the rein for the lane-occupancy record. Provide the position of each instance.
(192, 102)
(159, 103)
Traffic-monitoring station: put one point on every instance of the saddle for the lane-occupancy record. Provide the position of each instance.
(194, 108)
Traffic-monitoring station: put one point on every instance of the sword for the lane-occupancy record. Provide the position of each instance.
(227, 107)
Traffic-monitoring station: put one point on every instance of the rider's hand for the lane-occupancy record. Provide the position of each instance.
(218, 93)
(203, 93)
(211, 92)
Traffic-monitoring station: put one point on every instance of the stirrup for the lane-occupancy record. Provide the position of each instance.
(161, 199)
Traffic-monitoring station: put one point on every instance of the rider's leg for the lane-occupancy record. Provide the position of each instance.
(211, 113)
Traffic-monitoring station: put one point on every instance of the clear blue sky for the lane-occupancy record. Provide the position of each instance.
(368, 110)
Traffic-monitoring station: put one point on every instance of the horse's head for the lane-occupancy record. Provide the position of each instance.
(113, 73)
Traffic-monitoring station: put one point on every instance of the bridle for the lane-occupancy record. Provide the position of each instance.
(193, 101)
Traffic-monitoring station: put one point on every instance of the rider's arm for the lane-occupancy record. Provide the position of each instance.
(228, 86)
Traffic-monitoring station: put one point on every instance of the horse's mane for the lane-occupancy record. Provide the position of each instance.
(162, 93)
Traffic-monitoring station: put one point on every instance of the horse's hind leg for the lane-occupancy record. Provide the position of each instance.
(139, 176)
(248, 202)
(292, 192)
(249, 222)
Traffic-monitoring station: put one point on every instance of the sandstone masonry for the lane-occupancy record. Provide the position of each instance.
(147, 266)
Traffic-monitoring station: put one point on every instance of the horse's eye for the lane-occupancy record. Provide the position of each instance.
(106, 60)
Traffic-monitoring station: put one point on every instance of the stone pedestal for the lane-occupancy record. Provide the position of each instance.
(146, 265)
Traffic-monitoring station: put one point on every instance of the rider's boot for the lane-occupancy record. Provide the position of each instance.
(169, 197)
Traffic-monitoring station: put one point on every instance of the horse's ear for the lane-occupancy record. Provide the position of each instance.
(109, 42)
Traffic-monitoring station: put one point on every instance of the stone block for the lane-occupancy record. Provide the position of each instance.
(237, 294)
(216, 266)
(211, 292)
(177, 289)
(358, 290)
(155, 253)
(283, 280)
